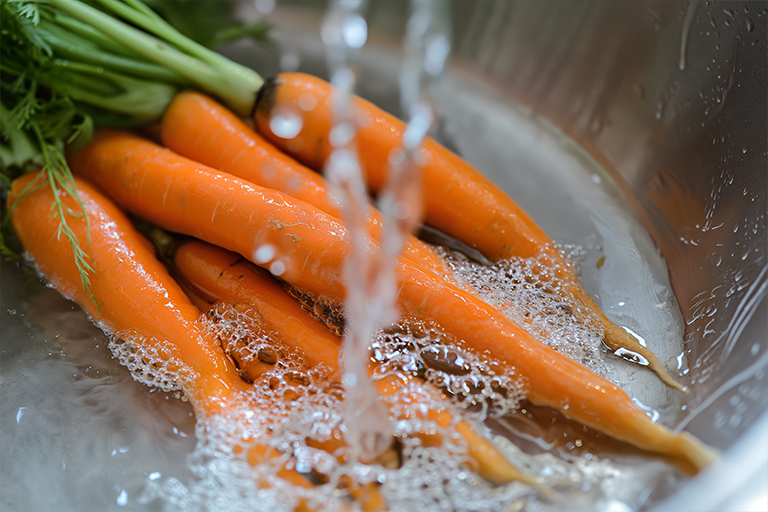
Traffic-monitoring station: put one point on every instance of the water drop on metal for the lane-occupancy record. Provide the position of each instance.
(690, 13)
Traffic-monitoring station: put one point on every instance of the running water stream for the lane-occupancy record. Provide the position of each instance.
(371, 283)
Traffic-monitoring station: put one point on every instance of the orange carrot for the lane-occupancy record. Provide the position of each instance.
(136, 297)
(459, 200)
(185, 197)
(218, 274)
(202, 130)
(124, 271)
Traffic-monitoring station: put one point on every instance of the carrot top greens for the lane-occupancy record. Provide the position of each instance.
(68, 65)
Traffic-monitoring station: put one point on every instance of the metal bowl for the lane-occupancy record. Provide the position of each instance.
(669, 98)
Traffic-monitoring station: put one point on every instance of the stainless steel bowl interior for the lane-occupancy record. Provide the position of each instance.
(669, 98)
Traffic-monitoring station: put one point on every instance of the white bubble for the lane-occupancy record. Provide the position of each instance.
(122, 498)
(614, 506)
(343, 79)
(354, 31)
(285, 123)
(396, 156)
(402, 210)
(342, 134)
(350, 379)
(264, 254)
(265, 6)
(343, 165)
(277, 268)
(350, 5)
(330, 34)
(289, 61)
(307, 102)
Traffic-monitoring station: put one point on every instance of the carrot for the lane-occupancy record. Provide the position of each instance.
(459, 200)
(217, 274)
(135, 295)
(185, 197)
(202, 130)
(124, 270)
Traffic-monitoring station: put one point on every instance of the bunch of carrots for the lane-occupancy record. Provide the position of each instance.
(261, 220)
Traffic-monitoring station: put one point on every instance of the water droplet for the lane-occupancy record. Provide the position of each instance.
(265, 6)
(154, 475)
(354, 31)
(289, 61)
(342, 134)
(402, 210)
(436, 51)
(743, 150)
(264, 254)
(307, 102)
(350, 379)
(654, 17)
(750, 25)
(614, 506)
(719, 420)
(755, 349)
(122, 498)
(396, 156)
(285, 123)
(418, 126)
(687, 22)
(277, 268)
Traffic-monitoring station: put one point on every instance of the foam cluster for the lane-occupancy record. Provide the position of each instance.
(534, 293)
(151, 361)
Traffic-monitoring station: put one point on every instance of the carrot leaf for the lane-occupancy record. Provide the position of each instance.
(68, 65)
